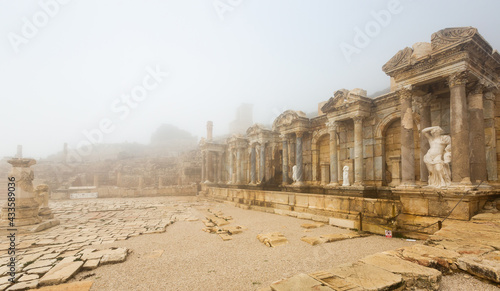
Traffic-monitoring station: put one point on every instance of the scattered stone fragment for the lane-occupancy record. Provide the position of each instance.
(114, 256)
(312, 240)
(225, 236)
(233, 229)
(433, 257)
(339, 236)
(312, 225)
(272, 239)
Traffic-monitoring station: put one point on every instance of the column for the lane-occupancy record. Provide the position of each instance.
(262, 167)
(425, 121)
(490, 138)
(252, 164)
(476, 135)
(407, 143)
(230, 178)
(358, 150)
(285, 159)
(215, 164)
(203, 167)
(334, 171)
(298, 158)
(459, 129)
(239, 169)
(208, 166)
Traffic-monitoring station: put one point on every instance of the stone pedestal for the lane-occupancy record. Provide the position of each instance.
(26, 208)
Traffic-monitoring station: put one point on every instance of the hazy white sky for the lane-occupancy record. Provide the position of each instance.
(65, 73)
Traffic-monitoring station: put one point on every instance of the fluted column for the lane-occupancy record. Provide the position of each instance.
(407, 143)
(334, 171)
(230, 178)
(425, 121)
(476, 135)
(252, 164)
(358, 151)
(490, 138)
(239, 169)
(262, 165)
(459, 129)
(285, 159)
(298, 158)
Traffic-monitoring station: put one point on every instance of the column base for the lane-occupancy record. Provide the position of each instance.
(298, 184)
(332, 185)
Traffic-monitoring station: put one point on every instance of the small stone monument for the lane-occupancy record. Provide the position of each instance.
(438, 157)
(345, 176)
(26, 207)
(42, 198)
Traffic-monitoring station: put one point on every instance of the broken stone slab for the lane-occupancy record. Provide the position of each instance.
(311, 225)
(91, 264)
(272, 239)
(39, 271)
(23, 285)
(414, 275)
(233, 229)
(61, 272)
(225, 236)
(74, 286)
(484, 268)
(114, 256)
(312, 240)
(299, 282)
(368, 277)
(428, 256)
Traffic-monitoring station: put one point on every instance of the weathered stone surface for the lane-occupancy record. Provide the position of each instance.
(225, 236)
(312, 240)
(39, 271)
(45, 225)
(368, 277)
(40, 263)
(154, 254)
(114, 256)
(272, 239)
(335, 282)
(488, 269)
(299, 282)
(61, 272)
(74, 286)
(28, 278)
(233, 229)
(414, 275)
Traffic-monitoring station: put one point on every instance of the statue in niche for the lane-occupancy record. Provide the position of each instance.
(438, 157)
(294, 173)
(345, 176)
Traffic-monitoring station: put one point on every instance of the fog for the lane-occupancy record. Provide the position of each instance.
(114, 71)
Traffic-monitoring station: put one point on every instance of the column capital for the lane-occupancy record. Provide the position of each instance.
(458, 79)
(283, 137)
(405, 93)
(299, 134)
(489, 96)
(477, 88)
(358, 119)
(332, 125)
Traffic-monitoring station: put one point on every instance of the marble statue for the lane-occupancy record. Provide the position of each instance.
(345, 176)
(294, 173)
(438, 157)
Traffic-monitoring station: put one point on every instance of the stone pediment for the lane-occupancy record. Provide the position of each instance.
(400, 59)
(451, 36)
(287, 118)
(255, 129)
(341, 98)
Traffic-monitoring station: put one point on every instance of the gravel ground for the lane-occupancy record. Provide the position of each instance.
(196, 260)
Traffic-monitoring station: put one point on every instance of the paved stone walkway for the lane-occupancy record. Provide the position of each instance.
(55, 255)
(471, 246)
